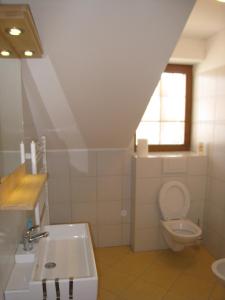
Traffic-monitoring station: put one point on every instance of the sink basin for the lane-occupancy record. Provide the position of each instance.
(66, 255)
(218, 268)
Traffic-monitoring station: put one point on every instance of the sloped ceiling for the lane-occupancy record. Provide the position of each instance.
(102, 60)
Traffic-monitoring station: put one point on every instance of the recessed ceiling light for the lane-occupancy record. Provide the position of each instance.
(14, 31)
(5, 53)
(221, 1)
(28, 53)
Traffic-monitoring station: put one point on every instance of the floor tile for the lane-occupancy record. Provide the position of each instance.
(144, 291)
(189, 288)
(153, 275)
(218, 292)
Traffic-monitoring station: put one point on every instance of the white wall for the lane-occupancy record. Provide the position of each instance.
(189, 51)
(149, 175)
(94, 187)
(102, 61)
(209, 127)
(12, 225)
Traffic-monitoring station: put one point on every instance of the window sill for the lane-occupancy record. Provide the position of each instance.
(170, 154)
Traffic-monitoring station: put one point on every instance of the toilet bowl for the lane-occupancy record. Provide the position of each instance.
(174, 204)
(218, 268)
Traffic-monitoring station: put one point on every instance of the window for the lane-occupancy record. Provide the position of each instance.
(166, 122)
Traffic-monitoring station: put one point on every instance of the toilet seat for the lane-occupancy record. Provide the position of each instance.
(174, 200)
(184, 228)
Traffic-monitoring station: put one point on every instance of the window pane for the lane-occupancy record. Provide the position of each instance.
(173, 108)
(172, 133)
(152, 112)
(150, 131)
(173, 85)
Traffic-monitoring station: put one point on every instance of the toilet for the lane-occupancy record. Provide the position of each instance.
(174, 204)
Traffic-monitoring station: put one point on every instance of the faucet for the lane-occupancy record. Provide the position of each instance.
(30, 236)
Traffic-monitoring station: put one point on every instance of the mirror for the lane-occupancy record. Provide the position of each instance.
(11, 115)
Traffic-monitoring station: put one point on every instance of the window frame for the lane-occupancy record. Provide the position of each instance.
(187, 70)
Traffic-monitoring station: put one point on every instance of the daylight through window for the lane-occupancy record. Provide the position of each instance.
(166, 121)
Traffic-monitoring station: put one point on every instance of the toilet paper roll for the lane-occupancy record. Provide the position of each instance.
(142, 147)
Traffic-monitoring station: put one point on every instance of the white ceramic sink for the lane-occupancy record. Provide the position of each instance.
(218, 268)
(68, 250)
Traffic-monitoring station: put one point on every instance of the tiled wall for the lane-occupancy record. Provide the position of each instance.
(92, 186)
(149, 174)
(12, 224)
(209, 127)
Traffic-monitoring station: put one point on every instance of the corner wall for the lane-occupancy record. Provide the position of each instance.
(209, 127)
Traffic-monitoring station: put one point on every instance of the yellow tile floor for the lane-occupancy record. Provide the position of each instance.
(156, 275)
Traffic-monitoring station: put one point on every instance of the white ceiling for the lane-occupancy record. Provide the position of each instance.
(206, 19)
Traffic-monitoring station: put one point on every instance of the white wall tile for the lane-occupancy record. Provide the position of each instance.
(197, 165)
(147, 215)
(109, 235)
(175, 165)
(126, 206)
(109, 212)
(60, 213)
(58, 164)
(197, 187)
(110, 162)
(126, 187)
(84, 212)
(59, 190)
(83, 163)
(149, 239)
(126, 234)
(148, 167)
(147, 190)
(109, 188)
(84, 189)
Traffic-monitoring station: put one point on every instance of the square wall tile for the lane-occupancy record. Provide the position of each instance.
(110, 162)
(109, 235)
(126, 234)
(84, 189)
(58, 164)
(126, 208)
(197, 187)
(59, 190)
(109, 212)
(109, 188)
(148, 167)
(147, 215)
(197, 165)
(127, 163)
(60, 213)
(126, 188)
(149, 239)
(216, 193)
(173, 165)
(84, 212)
(82, 163)
(147, 190)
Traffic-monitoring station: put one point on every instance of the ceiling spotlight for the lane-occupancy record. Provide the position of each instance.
(28, 53)
(5, 53)
(223, 1)
(14, 31)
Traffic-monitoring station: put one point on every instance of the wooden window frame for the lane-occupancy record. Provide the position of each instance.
(187, 70)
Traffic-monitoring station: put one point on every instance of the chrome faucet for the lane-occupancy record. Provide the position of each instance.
(30, 236)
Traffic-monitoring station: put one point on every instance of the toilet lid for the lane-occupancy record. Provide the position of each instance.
(174, 200)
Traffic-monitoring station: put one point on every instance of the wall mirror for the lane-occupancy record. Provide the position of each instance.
(11, 115)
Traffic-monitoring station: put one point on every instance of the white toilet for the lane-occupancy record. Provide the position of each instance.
(174, 204)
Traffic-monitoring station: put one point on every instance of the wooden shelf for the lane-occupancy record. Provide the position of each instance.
(24, 195)
(19, 16)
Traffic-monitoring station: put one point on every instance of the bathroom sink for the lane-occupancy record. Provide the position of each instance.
(65, 256)
(218, 268)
